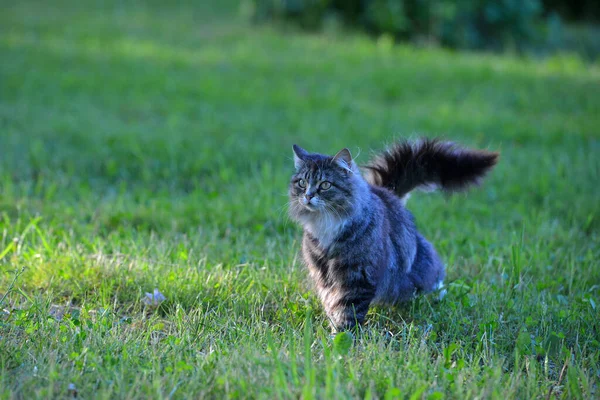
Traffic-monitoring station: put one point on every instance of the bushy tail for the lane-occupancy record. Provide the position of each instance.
(428, 164)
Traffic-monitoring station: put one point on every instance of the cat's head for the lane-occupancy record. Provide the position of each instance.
(324, 185)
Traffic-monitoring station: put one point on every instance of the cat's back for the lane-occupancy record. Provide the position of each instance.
(400, 228)
(394, 209)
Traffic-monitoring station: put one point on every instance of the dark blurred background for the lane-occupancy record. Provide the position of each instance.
(525, 26)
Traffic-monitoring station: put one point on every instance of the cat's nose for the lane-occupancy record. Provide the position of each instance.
(309, 196)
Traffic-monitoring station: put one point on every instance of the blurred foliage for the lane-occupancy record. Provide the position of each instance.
(465, 24)
(575, 10)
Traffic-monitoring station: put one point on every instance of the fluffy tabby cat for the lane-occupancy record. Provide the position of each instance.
(360, 243)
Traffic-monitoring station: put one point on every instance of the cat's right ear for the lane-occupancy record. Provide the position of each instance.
(299, 156)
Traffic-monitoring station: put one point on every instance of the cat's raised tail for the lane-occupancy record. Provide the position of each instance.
(428, 164)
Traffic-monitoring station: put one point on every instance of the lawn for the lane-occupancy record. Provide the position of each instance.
(146, 145)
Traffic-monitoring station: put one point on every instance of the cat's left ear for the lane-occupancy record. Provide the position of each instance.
(344, 159)
(299, 155)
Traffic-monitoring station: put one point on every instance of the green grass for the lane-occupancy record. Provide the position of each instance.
(148, 147)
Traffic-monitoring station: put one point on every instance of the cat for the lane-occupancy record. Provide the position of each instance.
(360, 243)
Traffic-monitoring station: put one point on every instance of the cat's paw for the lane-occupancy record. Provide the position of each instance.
(441, 291)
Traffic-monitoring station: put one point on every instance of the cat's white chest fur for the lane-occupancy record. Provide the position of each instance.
(325, 229)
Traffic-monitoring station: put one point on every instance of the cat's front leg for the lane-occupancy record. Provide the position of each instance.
(349, 308)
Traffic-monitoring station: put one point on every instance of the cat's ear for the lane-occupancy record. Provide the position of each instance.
(344, 159)
(299, 156)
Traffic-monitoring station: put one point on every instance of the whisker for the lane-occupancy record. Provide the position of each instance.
(357, 154)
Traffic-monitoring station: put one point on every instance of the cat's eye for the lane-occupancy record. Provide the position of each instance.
(302, 183)
(325, 185)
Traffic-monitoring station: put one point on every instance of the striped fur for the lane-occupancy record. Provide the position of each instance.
(360, 244)
(428, 164)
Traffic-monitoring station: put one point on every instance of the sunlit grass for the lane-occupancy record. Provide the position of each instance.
(148, 146)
